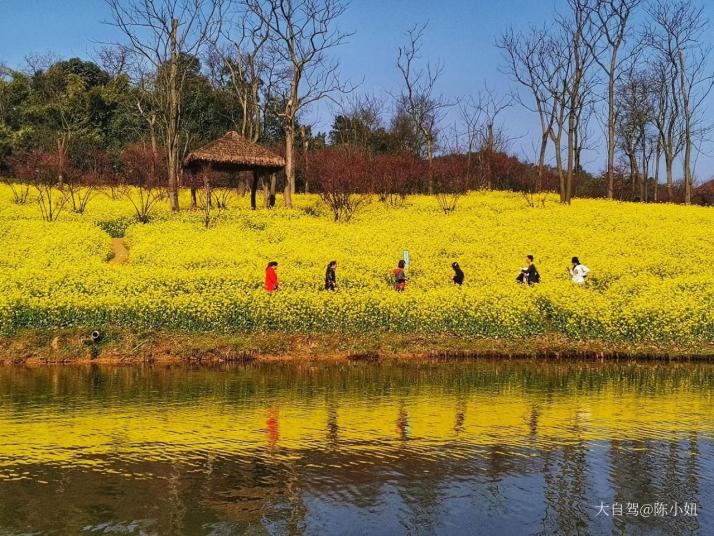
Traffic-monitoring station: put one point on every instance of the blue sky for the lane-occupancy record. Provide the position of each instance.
(461, 34)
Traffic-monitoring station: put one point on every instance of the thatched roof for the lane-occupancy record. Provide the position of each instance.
(234, 151)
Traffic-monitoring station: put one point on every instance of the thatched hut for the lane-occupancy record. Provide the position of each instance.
(232, 153)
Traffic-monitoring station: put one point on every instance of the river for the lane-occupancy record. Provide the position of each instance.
(472, 447)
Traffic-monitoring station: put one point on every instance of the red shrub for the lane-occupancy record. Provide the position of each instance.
(141, 166)
(342, 177)
(145, 169)
(394, 175)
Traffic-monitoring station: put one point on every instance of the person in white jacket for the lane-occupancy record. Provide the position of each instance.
(579, 272)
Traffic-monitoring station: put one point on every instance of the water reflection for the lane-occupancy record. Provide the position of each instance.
(485, 447)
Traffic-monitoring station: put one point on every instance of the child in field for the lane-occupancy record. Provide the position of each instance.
(529, 275)
(579, 272)
(331, 276)
(458, 278)
(400, 277)
(271, 277)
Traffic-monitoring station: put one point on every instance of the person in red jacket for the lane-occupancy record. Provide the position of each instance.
(271, 277)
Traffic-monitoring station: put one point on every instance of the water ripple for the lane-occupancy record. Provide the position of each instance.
(512, 447)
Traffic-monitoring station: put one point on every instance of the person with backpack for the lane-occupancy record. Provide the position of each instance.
(529, 275)
(400, 277)
(579, 272)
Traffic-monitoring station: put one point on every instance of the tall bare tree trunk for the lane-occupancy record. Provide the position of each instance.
(541, 159)
(430, 159)
(151, 120)
(305, 147)
(173, 120)
(572, 126)
(658, 156)
(468, 166)
(559, 166)
(289, 161)
(645, 165)
(687, 172)
(669, 170)
(634, 174)
(687, 161)
(611, 135)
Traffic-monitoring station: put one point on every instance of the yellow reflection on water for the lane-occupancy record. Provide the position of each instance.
(168, 426)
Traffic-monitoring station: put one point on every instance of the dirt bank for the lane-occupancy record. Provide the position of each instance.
(125, 347)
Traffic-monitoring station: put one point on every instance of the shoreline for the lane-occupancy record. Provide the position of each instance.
(120, 347)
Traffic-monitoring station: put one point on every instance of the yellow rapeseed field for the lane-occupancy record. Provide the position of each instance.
(651, 268)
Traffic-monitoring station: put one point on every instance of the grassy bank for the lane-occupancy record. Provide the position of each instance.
(71, 346)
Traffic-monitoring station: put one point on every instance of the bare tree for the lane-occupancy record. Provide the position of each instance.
(525, 61)
(158, 34)
(554, 69)
(471, 115)
(483, 137)
(678, 36)
(302, 34)
(634, 126)
(36, 63)
(44, 170)
(144, 174)
(611, 19)
(418, 98)
(577, 26)
(450, 185)
(243, 62)
(113, 60)
(667, 117)
(585, 112)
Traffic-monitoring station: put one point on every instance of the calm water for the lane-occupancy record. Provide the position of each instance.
(432, 448)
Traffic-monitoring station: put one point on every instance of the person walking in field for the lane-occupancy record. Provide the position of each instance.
(331, 276)
(400, 277)
(529, 275)
(579, 272)
(458, 278)
(271, 277)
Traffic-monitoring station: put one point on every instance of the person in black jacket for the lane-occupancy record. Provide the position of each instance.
(331, 276)
(458, 278)
(529, 275)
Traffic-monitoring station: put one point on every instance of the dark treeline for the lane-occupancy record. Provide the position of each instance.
(187, 71)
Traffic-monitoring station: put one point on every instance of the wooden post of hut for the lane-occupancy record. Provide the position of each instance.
(234, 154)
(254, 190)
(266, 192)
(273, 187)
